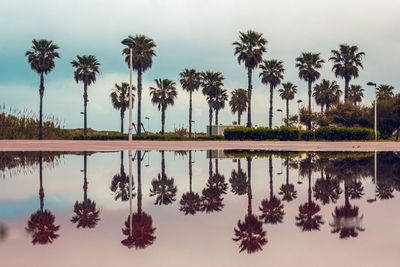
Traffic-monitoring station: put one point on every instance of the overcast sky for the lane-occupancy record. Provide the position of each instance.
(188, 34)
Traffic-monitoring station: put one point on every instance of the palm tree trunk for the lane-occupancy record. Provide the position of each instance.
(271, 95)
(322, 109)
(249, 193)
(210, 118)
(41, 191)
(162, 119)
(122, 121)
(287, 172)
(85, 98)
(162, 164)
(271, 188)
(346, 89)
(239, 114)
(216, 166)
(190, 114)
(249, 89)
(216, 117)
(139, 175)
(139, 119)
(190, 171)
(85, 183)
(209, 164)
(309, 105)
(309, 181)
(122, 162)
(41, 93)
(287, 112)
(239, 167)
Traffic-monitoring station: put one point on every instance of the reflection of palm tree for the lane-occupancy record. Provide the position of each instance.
(326, 190)
(141, 234)
(212, 195)
(238, 181)
(190, 202)
(250, 233)
(287, 190)
(86, 214)
(346, 221)
(272, 209)
(163, 187)
(41, 223)
(308, 218)
(120, 183)
(355, 188)
(384, 190)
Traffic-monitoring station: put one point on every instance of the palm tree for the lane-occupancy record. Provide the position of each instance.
(219, 102)
(87, 67)
(327, 189)
(41, 223)
(346, 62)
(190, 80)
(120, 100)
(272, 208)
(287, 93)
(163, 95)
(120, 183)
(41, 59)
(238, 181)
(238, 102)
(190, 202)
(308, 64)
(356, 93)
(287, 190)
(163, 187)
(326, 94)
(142, 60)
(272, 74)
(250, 232)
(211, 83)
(249, 50)
(384, 92)
(141, 231)
(86, 214)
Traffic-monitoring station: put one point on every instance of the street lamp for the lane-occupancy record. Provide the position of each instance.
(280, 110)
(148, 124)
(129, 43)
(194, 128)
(376, 134)
(298, 112)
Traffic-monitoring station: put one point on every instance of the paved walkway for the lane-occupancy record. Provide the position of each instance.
(69, 145)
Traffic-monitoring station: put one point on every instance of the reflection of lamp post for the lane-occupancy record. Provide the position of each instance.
(194, 129)
(280, 110)
(129, 42)
(371, 200)
(298, 112)
(148, 124)
(279, 173)
(376, 134)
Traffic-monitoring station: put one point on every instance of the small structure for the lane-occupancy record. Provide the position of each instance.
(219, 129)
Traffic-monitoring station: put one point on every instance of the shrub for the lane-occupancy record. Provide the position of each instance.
(307, 135)
(342, 133)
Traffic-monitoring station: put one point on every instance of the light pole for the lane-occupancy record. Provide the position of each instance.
(129, 42)
(148, 124)
(280, 110)
(298, 112)
(194, 129)
(375, 124)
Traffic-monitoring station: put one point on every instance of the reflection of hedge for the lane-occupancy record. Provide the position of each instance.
(293, 134)
(237, 153)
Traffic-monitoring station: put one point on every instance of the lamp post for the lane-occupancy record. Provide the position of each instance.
(148, 124)
(280, 110)
(298, 112)
(129, 42)
(375, 123)
(194, 128)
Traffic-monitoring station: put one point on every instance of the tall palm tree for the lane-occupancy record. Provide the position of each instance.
(190, 201)
(250, 232)
(238, 181)
(86, 69)
(287, 93)
(142, 60)
(120, 183)
(219, 102)
(384, 92)
(308, 64)
(163, 95)
(346, 62)
(287, 190)
(163, 187)
(356, 93)
(190, 80)
(211, 83)
(326, 94)
(86, 214)
(272, 208)
(41, 59)
(272, 74)
(249, 50)
(141, 232)
(238, 102)
(41, 223)
(120, 100)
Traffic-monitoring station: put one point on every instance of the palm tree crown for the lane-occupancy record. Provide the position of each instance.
(238, 102)
(120, 99)
(87, 67)
(326, 94)
(384, 92)
(356, 93)
(219, 102)
(287, 93)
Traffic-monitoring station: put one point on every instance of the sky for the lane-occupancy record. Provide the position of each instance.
(188, 34)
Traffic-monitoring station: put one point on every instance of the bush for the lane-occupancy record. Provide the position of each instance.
(342, 133)
(307, 135)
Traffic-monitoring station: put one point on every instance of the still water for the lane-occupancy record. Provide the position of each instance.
(199, 208)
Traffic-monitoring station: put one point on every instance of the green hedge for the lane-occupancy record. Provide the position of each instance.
(166, 137)
(293, 134)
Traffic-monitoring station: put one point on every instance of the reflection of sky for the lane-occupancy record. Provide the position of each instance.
(201, 240)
